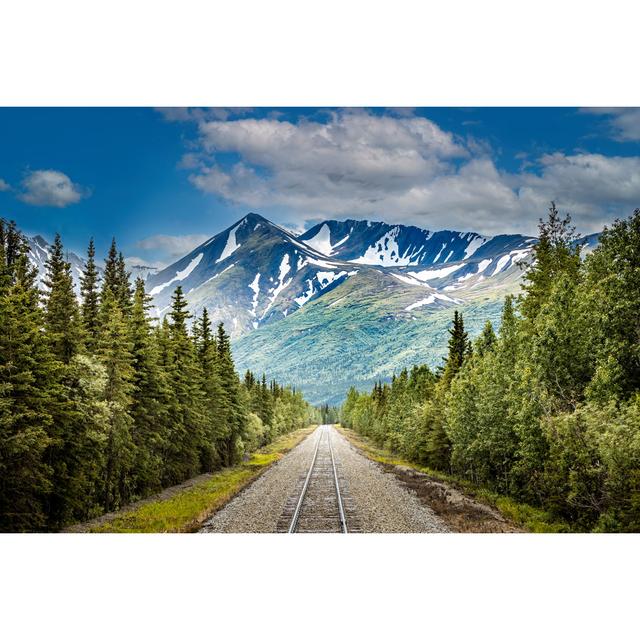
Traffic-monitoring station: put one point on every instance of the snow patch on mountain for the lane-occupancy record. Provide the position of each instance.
(306, 295)
(325, 278)
(322, 240)
(474, 245)
(180, 275)
(385, 252)
(255, 287)
(502, 263)
(285, 268)
(231, 245)
(433, 274)
(430, 300)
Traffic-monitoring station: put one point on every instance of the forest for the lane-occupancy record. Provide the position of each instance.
(547, 409)
(100, 404)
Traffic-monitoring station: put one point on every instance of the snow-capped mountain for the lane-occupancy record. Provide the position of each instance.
(251, 274)
(384, 245)
(255, 272)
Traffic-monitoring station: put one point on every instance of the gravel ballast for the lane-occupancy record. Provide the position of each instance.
(378, 500)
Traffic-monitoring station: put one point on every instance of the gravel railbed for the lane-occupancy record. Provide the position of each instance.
(258, 508)
(380, 503)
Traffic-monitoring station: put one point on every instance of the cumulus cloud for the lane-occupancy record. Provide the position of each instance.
(49, 188)
(624, 122)
(401, 169)
(4, 186)
(172, 246)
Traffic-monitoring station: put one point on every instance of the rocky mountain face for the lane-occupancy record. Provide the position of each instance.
(384, 245)
(255, 273)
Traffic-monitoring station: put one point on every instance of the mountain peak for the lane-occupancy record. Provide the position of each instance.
(255, 217)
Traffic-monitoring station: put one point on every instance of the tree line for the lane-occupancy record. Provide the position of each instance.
(100, 404)
(546, 410)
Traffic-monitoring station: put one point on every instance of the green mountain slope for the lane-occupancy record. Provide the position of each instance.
(360, 332)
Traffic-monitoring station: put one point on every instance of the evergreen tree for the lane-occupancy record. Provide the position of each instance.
(124, 294)
(186, 436)
(231, 406)
(90, 299)
(27, 386)
(557, 251)
(149, 398)
(114, 350)
(62, 315)
(486, 340)
(214, 429)
(458, 349)
(110, 278)
(611, 304)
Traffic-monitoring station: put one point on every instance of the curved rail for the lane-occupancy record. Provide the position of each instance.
(296, 515)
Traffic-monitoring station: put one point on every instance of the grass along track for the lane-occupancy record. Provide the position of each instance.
(183, 509)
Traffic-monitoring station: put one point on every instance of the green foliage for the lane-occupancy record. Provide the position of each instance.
(99, 407)
(546, 413)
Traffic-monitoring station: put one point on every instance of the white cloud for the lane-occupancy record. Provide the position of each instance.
(403, 169)
(172, 246)
(49, 188)
(4, 185)
(624, 121)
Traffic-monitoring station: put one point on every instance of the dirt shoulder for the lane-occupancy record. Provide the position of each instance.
(460, 512)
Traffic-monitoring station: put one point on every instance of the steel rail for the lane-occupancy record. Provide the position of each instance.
(343, 519)
(296, 514)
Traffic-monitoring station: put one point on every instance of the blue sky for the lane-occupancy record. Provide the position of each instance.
(163, 180)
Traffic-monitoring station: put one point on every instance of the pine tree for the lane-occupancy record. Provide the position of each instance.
(110, 278)
(90, 299)
(231, 407)
(458, 349)
(557, 251)
(114, 350)
(187, 431)
(62, 315)
(486, 340)
(123, 286)
(28, 386)
(148, 399)
(213, 426)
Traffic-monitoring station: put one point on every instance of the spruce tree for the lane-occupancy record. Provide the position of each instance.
(557, 251)
(148, 398)
(110, 279)
(90, 299)
(458, 349)
(124, 294)
(187, 412)
(214, 428)
(62, 315)
(28, 389)
(232, 409)
(114, 350)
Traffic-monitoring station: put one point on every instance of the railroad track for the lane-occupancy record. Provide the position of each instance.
(319, 505)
